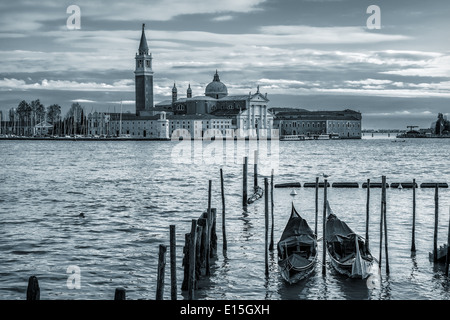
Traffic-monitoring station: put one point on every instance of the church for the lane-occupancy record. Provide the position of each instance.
(216, 113)
(248, 113)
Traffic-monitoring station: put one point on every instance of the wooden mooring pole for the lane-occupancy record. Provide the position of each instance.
(161, 271)
(173, 263)
(447, 258)
(271, 246)
(383, 191)
(192, 244)
(367, 212)
(266, 211)
(255, 170)
(187, 242)
(244, 183)
(208, 223)
(385, 226)
(317, 204)
(224, 234)
(33, 290)
(324, 246)
(413, 240)
(120, 294)
(436, 220)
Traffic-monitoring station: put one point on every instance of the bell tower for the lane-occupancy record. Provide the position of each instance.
(174, 94)
(143, 77)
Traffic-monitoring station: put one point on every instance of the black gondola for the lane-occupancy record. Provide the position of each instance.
(297, 249)
(347, 250)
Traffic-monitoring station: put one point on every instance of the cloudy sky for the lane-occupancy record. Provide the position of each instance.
(312, 54)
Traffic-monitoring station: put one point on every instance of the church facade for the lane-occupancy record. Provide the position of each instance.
(249, 114)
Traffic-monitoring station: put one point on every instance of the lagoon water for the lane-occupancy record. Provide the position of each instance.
(132, 191)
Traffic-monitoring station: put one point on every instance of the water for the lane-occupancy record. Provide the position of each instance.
(131, 192)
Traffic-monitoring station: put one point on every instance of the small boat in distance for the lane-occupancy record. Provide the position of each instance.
(257, 193)
(347, 250)
(293, 137)
(297, 249)
(323, 137)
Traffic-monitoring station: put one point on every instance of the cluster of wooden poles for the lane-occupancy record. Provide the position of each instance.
(383, 222)
(201, 242)
(200, 247)
(435, 256)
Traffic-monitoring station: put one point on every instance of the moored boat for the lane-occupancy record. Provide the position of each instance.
(293, 137)
(348, 251)
(257, 193)
(297, 249)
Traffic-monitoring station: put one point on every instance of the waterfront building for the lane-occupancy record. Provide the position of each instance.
(99, 124)
(43, 129)
(143, 127)
(200, 126)
(344, 124)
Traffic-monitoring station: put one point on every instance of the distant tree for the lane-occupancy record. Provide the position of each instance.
(75, 117)
(24, 113)
(53, 113)
(13, 119)
(440, 124)
(38, 112)
(12, 115)
(74, 111)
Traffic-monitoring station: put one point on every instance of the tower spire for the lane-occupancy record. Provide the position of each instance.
(216, 76)
(189, 91)
(174, 94)
(143, 47)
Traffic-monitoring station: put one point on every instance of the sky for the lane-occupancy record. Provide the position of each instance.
(311, 54)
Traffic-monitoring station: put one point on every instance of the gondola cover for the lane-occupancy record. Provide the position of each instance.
(297, 231)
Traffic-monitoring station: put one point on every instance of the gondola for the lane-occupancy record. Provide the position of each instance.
(347, 250)
(258, 193)
(297, 249)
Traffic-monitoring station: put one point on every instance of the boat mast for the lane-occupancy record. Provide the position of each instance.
(120, 130)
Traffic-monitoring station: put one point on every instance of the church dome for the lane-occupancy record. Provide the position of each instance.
(216, 89)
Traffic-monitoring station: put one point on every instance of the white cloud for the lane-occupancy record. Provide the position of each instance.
(122, 85)
(368, 82)
(328, 35)
(83, 101)
(163, 10)
(434, 65)
(223, 18)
